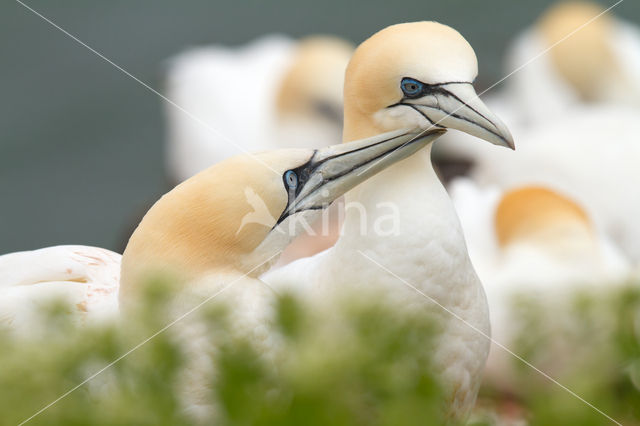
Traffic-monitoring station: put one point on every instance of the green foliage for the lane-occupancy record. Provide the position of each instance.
(591, 344)
(364, 364)
(357, 363)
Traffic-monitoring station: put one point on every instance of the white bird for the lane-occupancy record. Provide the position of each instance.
(593, 58)
(272, 93)
(575, 114)
(591, 155)
(212, 235)
(201, 228)
(575, 57)
(199, 234)
(197, 230)
(411, 74)
(531, 241)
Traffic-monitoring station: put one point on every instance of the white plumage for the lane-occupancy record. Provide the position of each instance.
(593, 60)
(428, 252)
(226, 89)
(533, 239)
(400, 229)
(590, 154)
(534, 242)
(212, 235)
(574, 113)
(572, 59)
(272, 93)
(85, 278)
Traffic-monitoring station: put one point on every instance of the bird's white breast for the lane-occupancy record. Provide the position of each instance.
(427, 252)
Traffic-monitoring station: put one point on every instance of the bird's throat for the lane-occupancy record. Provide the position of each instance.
(404, 194)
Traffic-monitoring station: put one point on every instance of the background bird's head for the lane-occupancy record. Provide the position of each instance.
(417, 74)
(583, 53)
(309, 109)
(312, 85)
(544, 218)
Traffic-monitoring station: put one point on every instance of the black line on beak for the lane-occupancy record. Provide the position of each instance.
(459, 117)
(310, 167)
(307, 169)
(454, 96)
(414, 107)
(438, 89)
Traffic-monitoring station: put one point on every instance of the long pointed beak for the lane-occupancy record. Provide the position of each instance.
(457, 106)
(336, 169)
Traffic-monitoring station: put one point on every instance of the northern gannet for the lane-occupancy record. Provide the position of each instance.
(290, 92)
(228, 219)
(590, 155)
(576, 57)
(203, 228)
(412, 74)
(577, 133)
(218, 231)
(595, 59)
(535, 242)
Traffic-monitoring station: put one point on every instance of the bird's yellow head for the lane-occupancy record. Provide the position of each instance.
(240, 213)
(582, 36)
(196, 226)
(313, 83)
(416, 74)
(538, 214)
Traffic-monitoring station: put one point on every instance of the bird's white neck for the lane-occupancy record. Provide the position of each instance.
(408, 194)
(404, 218)
(423, 260)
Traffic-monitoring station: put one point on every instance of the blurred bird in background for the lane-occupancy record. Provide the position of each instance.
(574, 113)
(593, 58)
(273, 93)
(532, 242)
(574, 57)
(575, 54)
(590, 156)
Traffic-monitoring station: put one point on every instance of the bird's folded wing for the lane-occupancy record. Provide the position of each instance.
(84, 278)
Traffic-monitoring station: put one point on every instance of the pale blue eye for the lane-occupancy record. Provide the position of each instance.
(411, 87)
(291, 179)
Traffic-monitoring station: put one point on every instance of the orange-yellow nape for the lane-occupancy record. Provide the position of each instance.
(197, 227)
(530, 211)
(315, 76)
(238, 215)
(581, 34)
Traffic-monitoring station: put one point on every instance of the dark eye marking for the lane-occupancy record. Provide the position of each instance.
(436, 89)
(329, 111)
(303, 173)
(412, 88)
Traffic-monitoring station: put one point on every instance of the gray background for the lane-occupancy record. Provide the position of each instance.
(81, 144)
